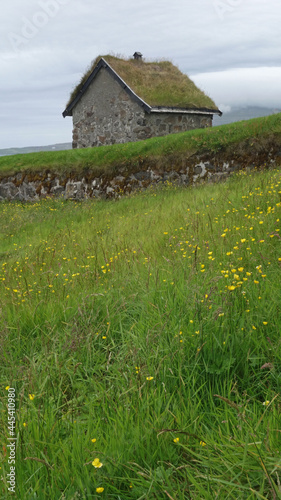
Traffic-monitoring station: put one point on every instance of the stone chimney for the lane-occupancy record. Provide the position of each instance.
(137, 55)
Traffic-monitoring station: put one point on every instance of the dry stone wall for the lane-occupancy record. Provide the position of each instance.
(31, 187)
(178, 169)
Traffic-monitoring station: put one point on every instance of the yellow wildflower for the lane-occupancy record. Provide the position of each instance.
(97, 464)
(99, 490)
(176, 440)
(31, 397)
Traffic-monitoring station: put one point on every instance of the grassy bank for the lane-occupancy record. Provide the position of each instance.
(250, 134)
(142, 338)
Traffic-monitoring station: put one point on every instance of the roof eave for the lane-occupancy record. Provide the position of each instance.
(195, 111)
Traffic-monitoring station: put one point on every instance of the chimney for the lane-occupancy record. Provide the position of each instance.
(137, 55)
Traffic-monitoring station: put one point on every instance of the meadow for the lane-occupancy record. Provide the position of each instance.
(142, 338)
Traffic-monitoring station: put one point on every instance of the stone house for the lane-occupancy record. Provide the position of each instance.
(120, 101)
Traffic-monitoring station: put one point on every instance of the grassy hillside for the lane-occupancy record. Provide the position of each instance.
(248, 135)
(142, 338)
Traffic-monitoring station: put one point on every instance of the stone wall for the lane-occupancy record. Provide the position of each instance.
(32, 187)
(106, 114)
(180, 168)
(171, 123)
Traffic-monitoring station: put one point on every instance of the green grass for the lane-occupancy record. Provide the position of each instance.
(169, 150)
(151, 325)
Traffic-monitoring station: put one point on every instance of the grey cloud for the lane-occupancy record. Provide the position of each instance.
(243, 86)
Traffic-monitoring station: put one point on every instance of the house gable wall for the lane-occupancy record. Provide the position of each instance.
(106, 114)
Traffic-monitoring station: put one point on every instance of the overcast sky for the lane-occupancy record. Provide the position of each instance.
(230, 48)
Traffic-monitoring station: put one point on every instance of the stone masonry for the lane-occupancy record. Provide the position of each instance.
(30, 186)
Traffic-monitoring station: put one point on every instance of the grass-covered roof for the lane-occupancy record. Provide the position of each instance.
(158, 83)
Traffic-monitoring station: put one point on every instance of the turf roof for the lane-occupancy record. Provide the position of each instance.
(158, 83)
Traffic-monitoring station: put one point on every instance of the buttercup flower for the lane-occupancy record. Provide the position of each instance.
(7, 388)
(149, 378)
(99, 490)
(94, 440)
(31, 397)
(97, 464)
(202, 443)
(176, 440)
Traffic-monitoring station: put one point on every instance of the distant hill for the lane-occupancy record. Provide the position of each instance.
(35, 149)
(245, 113)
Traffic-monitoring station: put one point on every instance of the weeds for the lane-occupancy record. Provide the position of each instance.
(143, 340)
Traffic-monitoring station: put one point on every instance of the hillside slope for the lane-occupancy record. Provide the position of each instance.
(246, 142)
